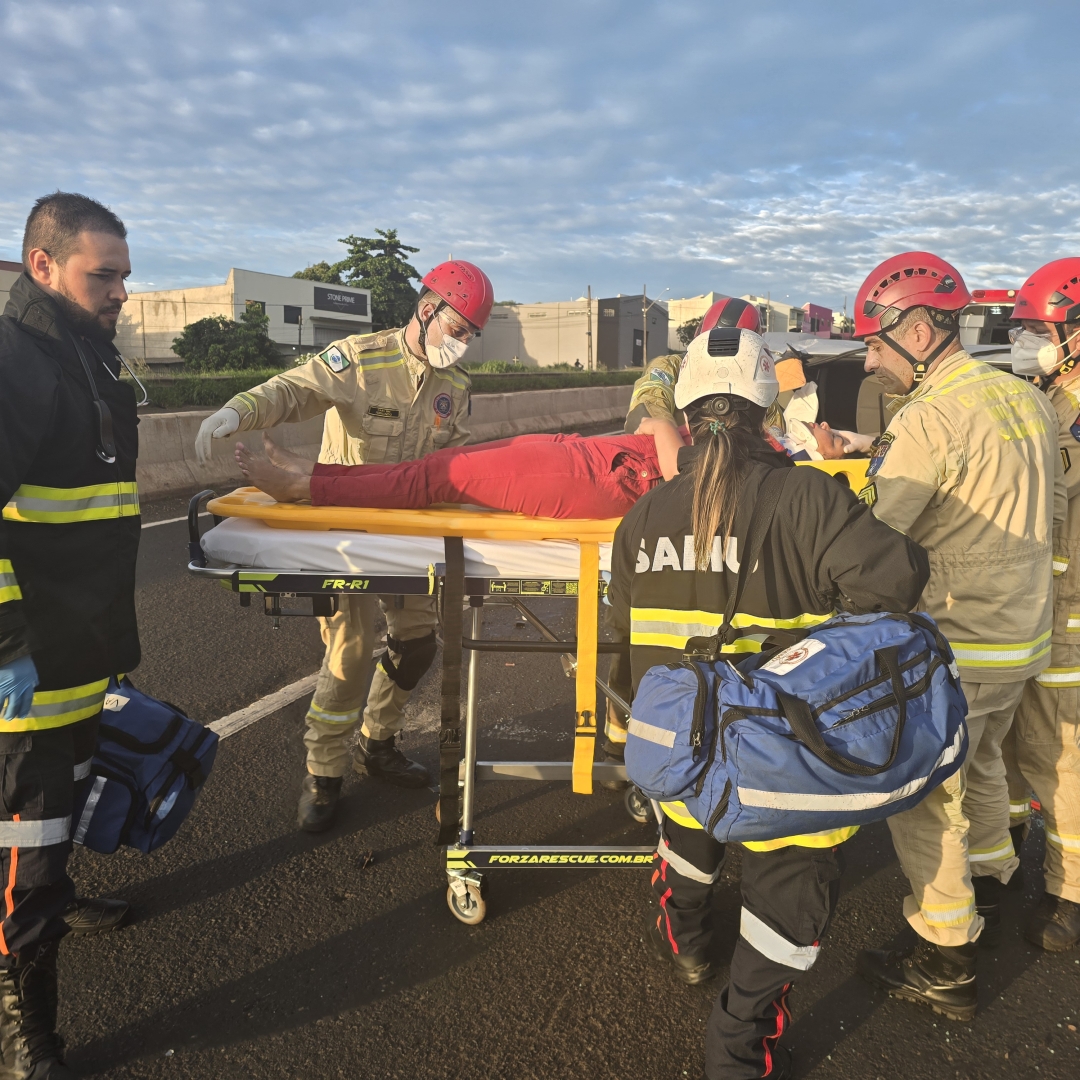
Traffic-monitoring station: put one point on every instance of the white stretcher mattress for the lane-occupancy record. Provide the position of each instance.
(247, 542)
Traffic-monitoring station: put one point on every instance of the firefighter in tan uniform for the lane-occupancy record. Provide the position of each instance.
(969, 468)
(1042, 751)
(388, 397)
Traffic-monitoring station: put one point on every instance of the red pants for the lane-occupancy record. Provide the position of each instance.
(555, 476)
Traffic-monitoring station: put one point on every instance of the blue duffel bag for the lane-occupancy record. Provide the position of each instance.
(150, 762)
(858, 721)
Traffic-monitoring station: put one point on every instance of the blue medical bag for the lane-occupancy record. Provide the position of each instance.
(857, 721)
(151, 760)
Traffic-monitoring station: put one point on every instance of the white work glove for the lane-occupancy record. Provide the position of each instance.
(17, 682)
(854, 443)
(219, 425)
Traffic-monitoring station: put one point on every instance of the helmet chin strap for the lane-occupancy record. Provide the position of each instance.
(919, 367)
(424, 325)
(1070, 360)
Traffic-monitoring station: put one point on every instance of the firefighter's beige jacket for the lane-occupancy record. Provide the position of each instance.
(382, 404)
(1064, 669)
(969, 467)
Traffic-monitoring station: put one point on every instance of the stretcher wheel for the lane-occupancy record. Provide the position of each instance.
(438, 813)
(470, 908)
(637, 806)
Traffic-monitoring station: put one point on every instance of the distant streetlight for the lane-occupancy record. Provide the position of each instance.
(644, 324)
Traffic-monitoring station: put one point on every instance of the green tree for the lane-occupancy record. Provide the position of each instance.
(218, 343)
(377, 263)
(320, 271)
(688, 331)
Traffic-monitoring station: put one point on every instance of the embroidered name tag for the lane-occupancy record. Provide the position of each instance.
(383, 412)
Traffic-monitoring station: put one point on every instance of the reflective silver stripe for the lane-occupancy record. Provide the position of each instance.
(82, 770)
(687, 869)
(35, 833)
(88, 810)
(651, 733)
(784, 800)
(58, 708)
(774, 946)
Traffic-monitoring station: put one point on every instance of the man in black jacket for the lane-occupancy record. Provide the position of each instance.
(68, 542)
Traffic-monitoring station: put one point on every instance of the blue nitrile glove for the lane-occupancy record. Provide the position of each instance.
(17, 682)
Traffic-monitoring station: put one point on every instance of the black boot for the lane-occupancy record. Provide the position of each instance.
(692, 967)
(940, 976)
(382, 758)
(99, 916)
(318, 802)
(1018, 834)
(988, 904)
(29, 1046)
(1055, 925)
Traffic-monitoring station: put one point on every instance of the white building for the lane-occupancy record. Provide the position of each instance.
(304, 315)
(9, 271)
(537, 335)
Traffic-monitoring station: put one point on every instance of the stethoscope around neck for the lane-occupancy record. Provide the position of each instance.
(106, 447)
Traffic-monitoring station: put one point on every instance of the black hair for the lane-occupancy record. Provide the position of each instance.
(57, 220)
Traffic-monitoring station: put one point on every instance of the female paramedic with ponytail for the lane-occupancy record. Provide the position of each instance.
(674, 559)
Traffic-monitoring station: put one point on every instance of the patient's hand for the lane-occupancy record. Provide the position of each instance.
(281, 484)
(668, 443)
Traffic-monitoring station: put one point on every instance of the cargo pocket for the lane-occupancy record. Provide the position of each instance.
(21, 788)
(382, 439)
(441, 437)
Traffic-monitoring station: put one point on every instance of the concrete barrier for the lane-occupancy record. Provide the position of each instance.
(167, 463)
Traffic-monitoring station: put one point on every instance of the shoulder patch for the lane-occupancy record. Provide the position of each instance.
(1074, 430)
(868, 494)
(335, 359)
(443, 405)
(1065, 460)
(660, 376)
(878, 452)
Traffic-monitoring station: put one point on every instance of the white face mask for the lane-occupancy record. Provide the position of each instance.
(448, 352)
(1034, 354)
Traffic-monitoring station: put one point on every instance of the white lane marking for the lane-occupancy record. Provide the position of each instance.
(169, 521)
(237, 721)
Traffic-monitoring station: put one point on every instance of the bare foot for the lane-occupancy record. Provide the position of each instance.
(278, 483)
(286, 459)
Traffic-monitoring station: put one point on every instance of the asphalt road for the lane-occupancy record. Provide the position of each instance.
(261, 951)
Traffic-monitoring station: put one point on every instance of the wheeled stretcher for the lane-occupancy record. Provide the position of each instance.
(284, 552)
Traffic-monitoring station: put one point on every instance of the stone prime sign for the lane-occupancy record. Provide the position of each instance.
(328, 298)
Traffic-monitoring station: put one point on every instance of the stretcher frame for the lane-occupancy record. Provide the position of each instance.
(465, 862)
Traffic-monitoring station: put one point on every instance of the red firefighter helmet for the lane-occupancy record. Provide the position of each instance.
(1051, 294)
(727, 311)
(465, 288)
(913, 279)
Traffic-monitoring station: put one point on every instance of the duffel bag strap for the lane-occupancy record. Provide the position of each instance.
(798, 715)
(761, 519)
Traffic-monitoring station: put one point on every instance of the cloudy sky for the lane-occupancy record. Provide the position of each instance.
(779, 146)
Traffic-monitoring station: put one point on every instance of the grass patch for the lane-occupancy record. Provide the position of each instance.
(212, 391)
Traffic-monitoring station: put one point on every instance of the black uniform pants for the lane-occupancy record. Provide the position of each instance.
(37, 789)
(788, 897)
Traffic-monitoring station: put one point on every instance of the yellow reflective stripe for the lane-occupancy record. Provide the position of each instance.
(949, 914)
(1059, 676)
(673, 627)
(1066, 841)
(249, 400)
(326, 717)
(679, 814)
(826, 838)
(974, 654)
(58, 708)
(1061, 564)
(960, 378)
(1020, 809)
(92, 502)
(9, 587)
(1074, 621)
(1003, 850)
